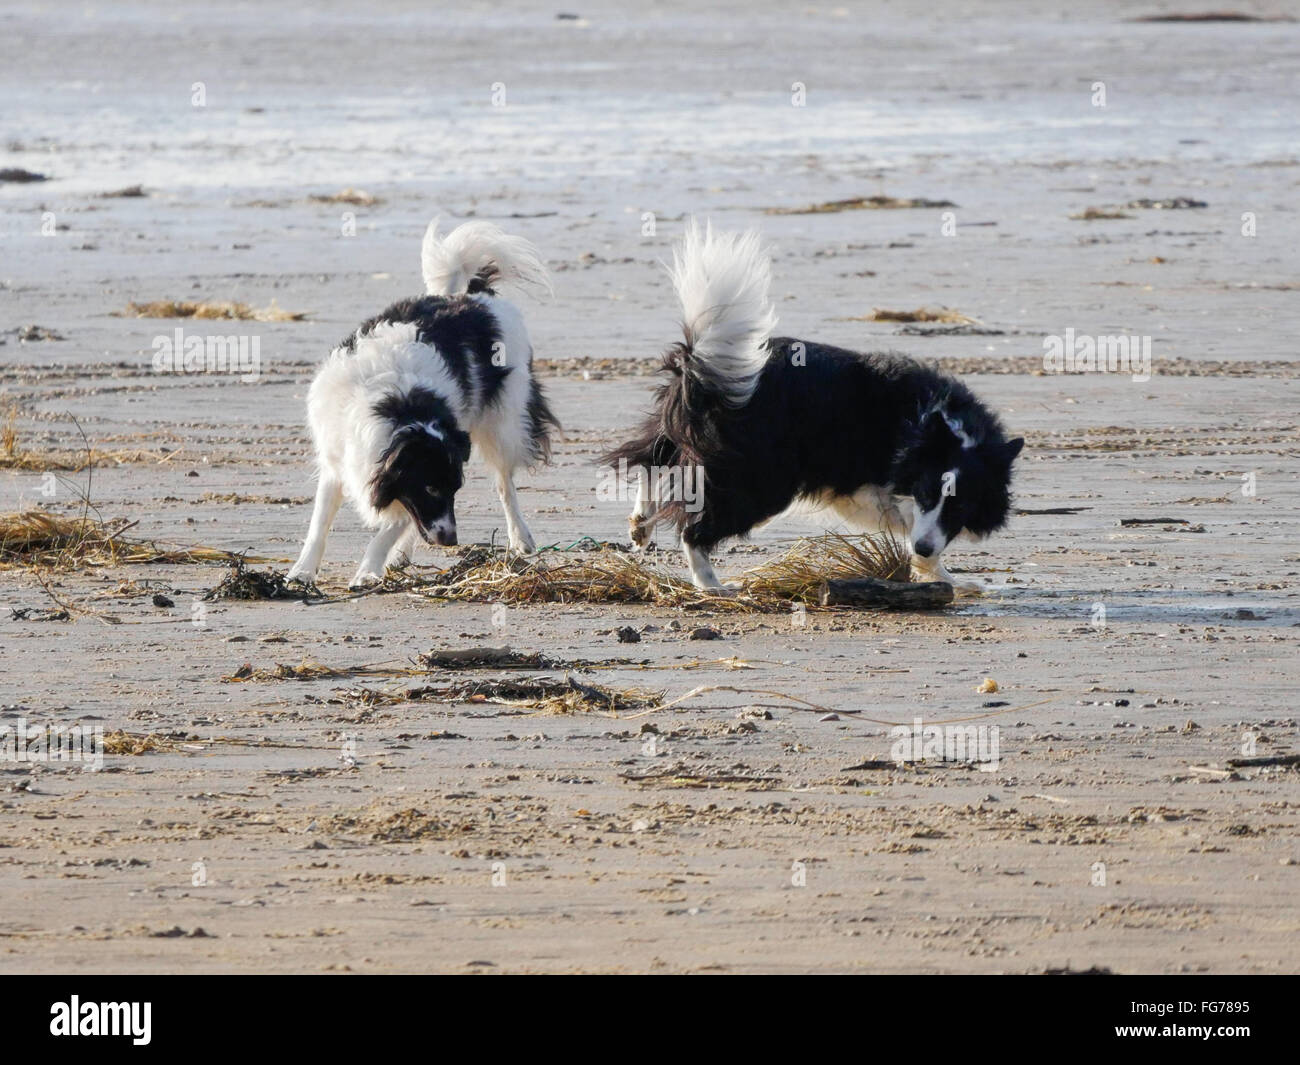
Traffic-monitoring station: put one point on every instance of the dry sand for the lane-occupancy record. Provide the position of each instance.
(287, 825)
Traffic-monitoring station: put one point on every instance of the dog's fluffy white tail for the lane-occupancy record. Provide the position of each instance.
(721, 281)
(477, 250)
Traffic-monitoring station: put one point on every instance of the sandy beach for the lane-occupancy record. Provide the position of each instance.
(248, 819)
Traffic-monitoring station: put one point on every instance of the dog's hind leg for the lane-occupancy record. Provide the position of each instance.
(702, 572)
(697, 540)
(329, 496)
(375, 560)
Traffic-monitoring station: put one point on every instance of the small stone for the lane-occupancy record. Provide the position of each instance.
(161, 600)
(704, 632)
(627, 634)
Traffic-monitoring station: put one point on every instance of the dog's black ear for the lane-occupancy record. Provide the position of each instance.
(458, 444)
(1013, 448)
(384, 481)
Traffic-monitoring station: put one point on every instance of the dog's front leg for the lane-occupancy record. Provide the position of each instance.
(329, 495)
(933, 569)
(375, 560)
(516, 528)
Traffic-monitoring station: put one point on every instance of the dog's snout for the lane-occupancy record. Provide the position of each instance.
(925, 549)
(446, 537)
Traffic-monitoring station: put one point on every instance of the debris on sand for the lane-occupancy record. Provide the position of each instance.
(1099, 214)
(1214, 16)
(131, 192)
(959, 330)
(38, 538)
(800, 573)
(353, 197)
(29, 613)
(887, 595)
(19, 176)
(1175, 203)
(488, 658)
(1021, 512)
(863, 203)
(244, 583)
(229, 310)
(29, 333)
(609, 576)
(12, 457)
(308, 671)
(921, 314)
(399, 826)
(680, 775)
(119, 742)
(1129, 522)
(1267, 760)
(550, 695)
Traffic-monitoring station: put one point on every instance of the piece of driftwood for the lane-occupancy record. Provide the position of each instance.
(1213, 771)
(1272, 759)
(1130, 522)
(891, 595)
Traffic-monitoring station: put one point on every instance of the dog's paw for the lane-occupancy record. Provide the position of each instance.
(523, 543)
(638, 533)
(299, 576)
(726, 588)
(968, 587)
(363, 580)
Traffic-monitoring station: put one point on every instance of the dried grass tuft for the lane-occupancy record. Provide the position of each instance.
(38, 538)
(352, 197)
(119, 742)
(214, 309)
(607, 576)
(799, 573)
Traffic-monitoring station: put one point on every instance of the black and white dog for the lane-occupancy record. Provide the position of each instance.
(882, 441)
(396, 405)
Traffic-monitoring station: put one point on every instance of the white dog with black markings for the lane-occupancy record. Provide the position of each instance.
(396, 406)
